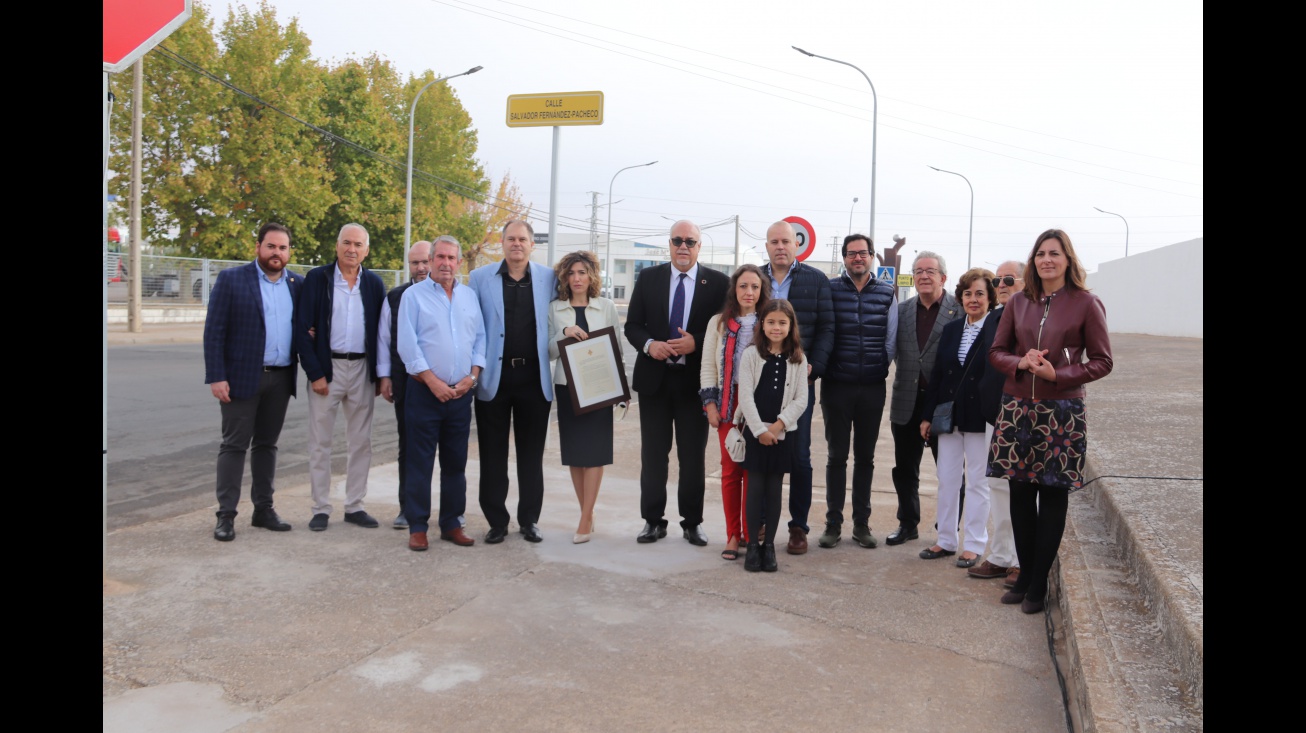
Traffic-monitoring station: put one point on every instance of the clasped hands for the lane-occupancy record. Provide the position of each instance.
(672, 348)
(1035, 364)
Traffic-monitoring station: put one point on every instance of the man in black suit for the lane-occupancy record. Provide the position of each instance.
(666, 322)
(249, 365)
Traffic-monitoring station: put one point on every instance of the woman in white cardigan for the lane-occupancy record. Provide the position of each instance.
(586, 439)
(729, 334)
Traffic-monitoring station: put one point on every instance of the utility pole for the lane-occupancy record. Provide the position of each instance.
(594, 221)
(134, 231)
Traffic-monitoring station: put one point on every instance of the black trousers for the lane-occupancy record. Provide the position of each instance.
(764, 493)
(1038, 519)
(519, 406)
(252, 424)
(908, 449)
(399, 387)
(852, 411)
(673, 408)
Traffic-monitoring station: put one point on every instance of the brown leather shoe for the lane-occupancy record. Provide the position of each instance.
(1013, 574)
(458, 537)
(417, 541)
(797, 541)
(987, 571)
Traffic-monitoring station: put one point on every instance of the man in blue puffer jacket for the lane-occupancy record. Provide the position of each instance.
(853, 396)
(808, 289)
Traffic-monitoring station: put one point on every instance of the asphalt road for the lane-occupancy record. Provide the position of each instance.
(164, 430)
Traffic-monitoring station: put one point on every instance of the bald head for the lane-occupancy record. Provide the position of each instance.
(419, 261)
(781, 246)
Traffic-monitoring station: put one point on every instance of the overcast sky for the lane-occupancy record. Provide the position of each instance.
(1049, 109)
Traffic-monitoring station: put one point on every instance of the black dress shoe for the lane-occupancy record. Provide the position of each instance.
(768, 558)
(268, 519)
(362, 519)
(225, 531)
(753, 558)
(696, 535)
(532, 533)
(652, 533)
(901, 535)
(496, 535)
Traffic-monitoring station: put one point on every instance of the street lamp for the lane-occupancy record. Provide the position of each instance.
(408, 204)
(875, 114)
(970, 232)
(608, 267)
(1126, 221)
(850, 215)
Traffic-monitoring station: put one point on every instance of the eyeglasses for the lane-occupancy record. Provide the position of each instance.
(1007, 280)
(690, 243)
(864, 254)
(926, 271)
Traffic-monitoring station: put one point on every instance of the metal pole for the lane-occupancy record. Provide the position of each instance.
(104, 367)
(736, 242)
(614, 180)
(971, 229)
(134, 231)
(850, 216)
(553, 195)
(408, 203)
(1126, 221)
(875, 115)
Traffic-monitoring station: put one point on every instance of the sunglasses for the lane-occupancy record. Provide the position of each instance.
(690, 243)
(1007, 280)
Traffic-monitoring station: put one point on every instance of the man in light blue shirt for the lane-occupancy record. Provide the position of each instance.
(441, 338)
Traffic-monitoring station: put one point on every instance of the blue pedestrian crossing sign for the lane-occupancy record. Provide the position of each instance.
(885, 274)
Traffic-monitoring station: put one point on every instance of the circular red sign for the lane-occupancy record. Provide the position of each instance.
(804, 237)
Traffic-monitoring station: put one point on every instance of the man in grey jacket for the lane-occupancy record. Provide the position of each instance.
(920, 321)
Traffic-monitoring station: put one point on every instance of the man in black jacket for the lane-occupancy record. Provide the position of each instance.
(853, 395)
(666, 323)
(808, 290)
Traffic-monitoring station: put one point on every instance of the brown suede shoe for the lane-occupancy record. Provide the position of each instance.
(1011, 598)
(987, 571)
(797, 541)
(417, 541)
(458, 537)
(1013, 574)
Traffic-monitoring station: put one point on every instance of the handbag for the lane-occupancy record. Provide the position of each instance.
(735, 446)
(941, 421)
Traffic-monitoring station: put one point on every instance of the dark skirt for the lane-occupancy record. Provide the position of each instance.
(1040, 441)
(778, 458)
(586, 439)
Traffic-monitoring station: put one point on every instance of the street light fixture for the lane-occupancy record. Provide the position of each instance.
(608, 267)
(875, 114)
(970, 232)
(408, 204)
(850, 215)
(1126, 221)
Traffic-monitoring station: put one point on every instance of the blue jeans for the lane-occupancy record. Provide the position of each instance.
(800, 480)
(431, 425)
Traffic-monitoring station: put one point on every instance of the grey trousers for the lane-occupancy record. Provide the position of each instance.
(252, 424)
(351, 389)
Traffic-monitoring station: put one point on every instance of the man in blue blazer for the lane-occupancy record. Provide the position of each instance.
(335, 333)
(517, 385)
(249, 365)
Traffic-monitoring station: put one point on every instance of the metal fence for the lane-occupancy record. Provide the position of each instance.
(186, 280)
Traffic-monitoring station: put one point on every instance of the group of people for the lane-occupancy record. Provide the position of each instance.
(990, 377)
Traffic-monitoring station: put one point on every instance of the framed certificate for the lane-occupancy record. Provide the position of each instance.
(596, 377)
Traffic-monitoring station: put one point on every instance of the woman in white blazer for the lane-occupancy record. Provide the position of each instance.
(586, 439)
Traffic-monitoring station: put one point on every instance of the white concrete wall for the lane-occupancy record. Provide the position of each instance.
(1157, 292)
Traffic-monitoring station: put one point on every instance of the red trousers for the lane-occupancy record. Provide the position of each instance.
(734, 489)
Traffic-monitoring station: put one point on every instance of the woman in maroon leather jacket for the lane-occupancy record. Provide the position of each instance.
(1050, 343)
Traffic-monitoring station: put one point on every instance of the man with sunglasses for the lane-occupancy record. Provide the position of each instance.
(1000, 557)
(920, 323)
(667, 319)
(854, 391)
(808, 290)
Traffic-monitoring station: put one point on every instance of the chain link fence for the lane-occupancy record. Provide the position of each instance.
(186, 280)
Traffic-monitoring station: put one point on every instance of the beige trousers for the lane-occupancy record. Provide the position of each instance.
(351, 388)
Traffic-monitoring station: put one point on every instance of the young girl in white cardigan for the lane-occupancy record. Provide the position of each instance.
(772, 396)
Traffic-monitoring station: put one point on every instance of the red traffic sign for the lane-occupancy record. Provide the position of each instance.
(133, 27)
(804, 236)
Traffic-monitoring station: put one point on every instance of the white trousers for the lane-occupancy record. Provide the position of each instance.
(351, 388)
(967, 452)
(1002, 543)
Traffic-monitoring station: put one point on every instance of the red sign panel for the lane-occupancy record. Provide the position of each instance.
(133, 27)
(804, 237)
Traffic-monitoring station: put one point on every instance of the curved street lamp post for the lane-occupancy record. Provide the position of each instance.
(408, 204)
(1126, 221)
(970, 230)
(607, 268)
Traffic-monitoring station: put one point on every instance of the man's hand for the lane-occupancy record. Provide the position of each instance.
(312, 332)
(321, 386)
(222, 391)
(442, 391)
(683, 345)
(713, 416)
(660, 350)
(387, 389)
(925, 429)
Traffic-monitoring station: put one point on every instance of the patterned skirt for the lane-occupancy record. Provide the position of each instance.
(1040, 442)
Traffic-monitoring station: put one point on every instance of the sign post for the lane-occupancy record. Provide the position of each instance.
(562, 109)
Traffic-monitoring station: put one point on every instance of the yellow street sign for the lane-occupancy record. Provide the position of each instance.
(549, 110)
(904, 280)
